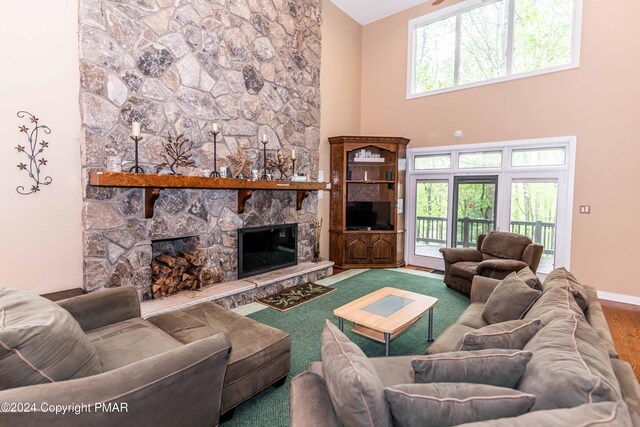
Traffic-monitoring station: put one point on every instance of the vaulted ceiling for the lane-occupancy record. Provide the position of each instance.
(367, 11)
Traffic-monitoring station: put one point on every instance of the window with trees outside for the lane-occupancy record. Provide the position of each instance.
(486, 41)
(456, 193)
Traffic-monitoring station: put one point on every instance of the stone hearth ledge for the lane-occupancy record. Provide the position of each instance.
(245, 287)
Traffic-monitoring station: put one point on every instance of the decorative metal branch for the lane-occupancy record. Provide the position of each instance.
(317, 225)
(178, 154)
(33, 151)
(240, 164)
(279, 163)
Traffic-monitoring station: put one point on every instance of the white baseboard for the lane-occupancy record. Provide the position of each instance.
(627, 299)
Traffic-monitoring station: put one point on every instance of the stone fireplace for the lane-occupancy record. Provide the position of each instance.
(252, 66)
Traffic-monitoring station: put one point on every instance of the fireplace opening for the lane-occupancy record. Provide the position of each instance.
(263, 249)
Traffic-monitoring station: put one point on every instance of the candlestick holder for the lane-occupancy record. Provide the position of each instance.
(136, 168)
(264, 157)
(293, 167)
(215, 173)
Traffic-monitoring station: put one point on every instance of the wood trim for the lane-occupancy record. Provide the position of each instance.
(124, 179)
(243, 196)
(368, 140)
(379, 336)
(150, 196)
(302, 194)
(153, 183)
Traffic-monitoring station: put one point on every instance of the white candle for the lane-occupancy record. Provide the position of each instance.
(264, 137)
(293, 154)
(214, 128)
(135, 129)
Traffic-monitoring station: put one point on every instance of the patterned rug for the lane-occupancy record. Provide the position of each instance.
(295, 295)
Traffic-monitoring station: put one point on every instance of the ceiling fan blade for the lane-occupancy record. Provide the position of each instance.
(437, 2)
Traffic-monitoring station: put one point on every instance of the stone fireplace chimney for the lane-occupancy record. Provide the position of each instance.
(252, 66)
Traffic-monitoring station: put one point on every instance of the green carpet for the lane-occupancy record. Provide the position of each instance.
(305, 324)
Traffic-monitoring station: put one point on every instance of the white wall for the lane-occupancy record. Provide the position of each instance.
(40, 235)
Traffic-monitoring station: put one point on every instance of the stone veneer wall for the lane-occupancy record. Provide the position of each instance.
(253, 66)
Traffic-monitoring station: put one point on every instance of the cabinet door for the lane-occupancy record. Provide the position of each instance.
(383, 249)
(356, 249)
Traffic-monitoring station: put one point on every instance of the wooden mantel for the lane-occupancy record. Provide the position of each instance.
(152, 185)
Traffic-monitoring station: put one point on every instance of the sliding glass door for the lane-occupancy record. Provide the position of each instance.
(534, 208)
(432, 225)
(475, 203)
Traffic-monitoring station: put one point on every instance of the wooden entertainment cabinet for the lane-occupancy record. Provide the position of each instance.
(367, 201)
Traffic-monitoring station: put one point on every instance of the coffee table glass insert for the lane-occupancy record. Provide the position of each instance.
(388, 305)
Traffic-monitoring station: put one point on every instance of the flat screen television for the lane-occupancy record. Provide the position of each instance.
(368, 216)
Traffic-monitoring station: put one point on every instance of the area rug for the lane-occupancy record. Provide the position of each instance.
(295, 295)
(305, 323)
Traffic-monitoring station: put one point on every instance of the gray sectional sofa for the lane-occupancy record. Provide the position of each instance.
(92, 360)
(574, 371)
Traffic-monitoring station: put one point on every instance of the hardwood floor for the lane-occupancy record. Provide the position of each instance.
(623, 320)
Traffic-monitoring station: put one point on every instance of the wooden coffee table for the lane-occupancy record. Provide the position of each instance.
(386, 313)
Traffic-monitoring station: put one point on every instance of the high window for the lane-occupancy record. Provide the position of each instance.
(486, 41)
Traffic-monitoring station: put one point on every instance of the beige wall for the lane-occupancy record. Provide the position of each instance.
(599, 103)
(340, 88)
(40, 234)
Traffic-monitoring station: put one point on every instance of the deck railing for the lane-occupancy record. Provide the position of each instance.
(430, 229)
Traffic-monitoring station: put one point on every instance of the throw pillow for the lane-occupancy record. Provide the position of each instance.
(514, 334)
(510, 300)
(449, 404)
(609, 414)
(354, 387)
(569, 366)
(502, 368)
(40, 342)
(530, 278)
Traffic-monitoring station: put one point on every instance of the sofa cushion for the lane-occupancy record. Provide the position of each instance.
(355, 390)
(556, 296)
(449, 404)
(530, 278)
(502, 368)
(450, 339)
(393, 370)
(472, 316)
(561, 277)
(514, 334)
(510, 300)
(609, 414)
(253, 344)
(124, 343)
(40, 342)
(569, 367)
(596, 318)
(501, 244)
(466, 269)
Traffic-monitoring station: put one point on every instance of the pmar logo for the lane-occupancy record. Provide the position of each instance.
(112, 407)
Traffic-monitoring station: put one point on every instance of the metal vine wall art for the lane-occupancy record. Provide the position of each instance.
(178, 154)
(33, 150)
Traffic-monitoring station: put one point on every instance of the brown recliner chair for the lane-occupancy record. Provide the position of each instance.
(496, 255)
